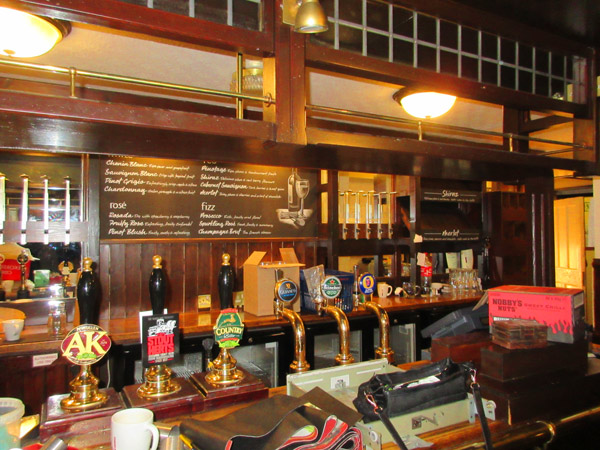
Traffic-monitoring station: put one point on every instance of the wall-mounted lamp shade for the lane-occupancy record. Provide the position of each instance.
(306, 16)
(425, 105)
(24, 35)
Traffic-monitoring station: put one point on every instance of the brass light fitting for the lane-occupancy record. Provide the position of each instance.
(306, 16)
(24, 35)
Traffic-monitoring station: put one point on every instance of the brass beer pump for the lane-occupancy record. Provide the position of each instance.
(223, 369)
(158, 381)
(330, 289)
(286, 292)
(85, 394)
(367, 284)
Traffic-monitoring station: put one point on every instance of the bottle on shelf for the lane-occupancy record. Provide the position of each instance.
(426, 274)
(356, 294)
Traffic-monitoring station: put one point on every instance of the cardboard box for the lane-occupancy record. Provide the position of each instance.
(561, 309)
(259, 281)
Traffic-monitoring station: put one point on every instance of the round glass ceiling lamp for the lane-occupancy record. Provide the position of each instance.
(425, 105)
(310, 18)
(23, 35)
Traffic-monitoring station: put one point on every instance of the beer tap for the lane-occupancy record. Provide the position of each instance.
(22, 259)
(344, 195)
(24, 208)
(158, 377)
(390, 213)
(85, 394)
(367, 286)
(46, 210)
(87, 293)
(286, 292)
(357, 213)
(379, 211)
(330, 289)
(369, 212)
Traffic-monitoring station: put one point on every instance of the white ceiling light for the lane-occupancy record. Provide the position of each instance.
(424, 105)
(23, 35)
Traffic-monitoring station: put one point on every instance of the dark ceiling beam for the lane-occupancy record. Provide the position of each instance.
(531, 126)
(140, 117)
(446, 160)
(354, 64)
(139, 19)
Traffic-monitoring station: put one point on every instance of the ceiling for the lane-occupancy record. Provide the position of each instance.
(100, 49)
(574, 19)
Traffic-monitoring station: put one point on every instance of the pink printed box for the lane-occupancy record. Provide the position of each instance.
(561, 309)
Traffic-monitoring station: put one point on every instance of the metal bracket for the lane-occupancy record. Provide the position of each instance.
(489, 408)
(417, 421)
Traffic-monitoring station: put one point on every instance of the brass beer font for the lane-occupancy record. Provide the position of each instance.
(85, 345)
(158, 381)
(367, 284)
(330, 289)
(286, 292)
(384, 350)
(228, 332)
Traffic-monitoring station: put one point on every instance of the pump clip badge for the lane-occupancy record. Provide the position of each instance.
(287, 291)
(331, 287)
(367, 283)
(85, 344)
(229, 328)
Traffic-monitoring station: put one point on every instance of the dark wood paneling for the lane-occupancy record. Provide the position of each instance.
(133, 261)
(190, 278)
(118, 273)
(33, 385)
(192, 269)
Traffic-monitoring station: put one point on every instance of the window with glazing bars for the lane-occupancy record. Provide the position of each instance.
(238, 13)
(403, 36)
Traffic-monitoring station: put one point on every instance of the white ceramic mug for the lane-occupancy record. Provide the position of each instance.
(133, 429)
(12, 329)
(384, 290)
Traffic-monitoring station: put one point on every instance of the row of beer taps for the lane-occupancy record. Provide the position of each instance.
(373, 213)
(24, 219)
(322, 301)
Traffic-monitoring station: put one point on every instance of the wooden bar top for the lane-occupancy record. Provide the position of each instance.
(125, 331)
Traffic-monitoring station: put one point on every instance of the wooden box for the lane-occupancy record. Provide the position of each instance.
(461, 348)
(502, 364)
(545, 396)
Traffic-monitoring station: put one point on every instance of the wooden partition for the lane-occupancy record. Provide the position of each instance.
(191, 268)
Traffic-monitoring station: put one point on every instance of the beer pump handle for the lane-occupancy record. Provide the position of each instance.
(157, 286)
(226, 282)
(87, 293)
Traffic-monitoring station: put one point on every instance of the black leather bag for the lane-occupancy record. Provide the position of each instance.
(414, 390)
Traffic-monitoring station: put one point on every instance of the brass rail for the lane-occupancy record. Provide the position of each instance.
(420, 124)
(540, 433)
(74, 73)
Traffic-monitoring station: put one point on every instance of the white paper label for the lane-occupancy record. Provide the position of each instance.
(44, 360)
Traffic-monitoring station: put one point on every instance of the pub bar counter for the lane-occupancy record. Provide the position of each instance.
(195, 130)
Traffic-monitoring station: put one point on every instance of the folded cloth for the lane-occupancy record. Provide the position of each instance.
(280, 422)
